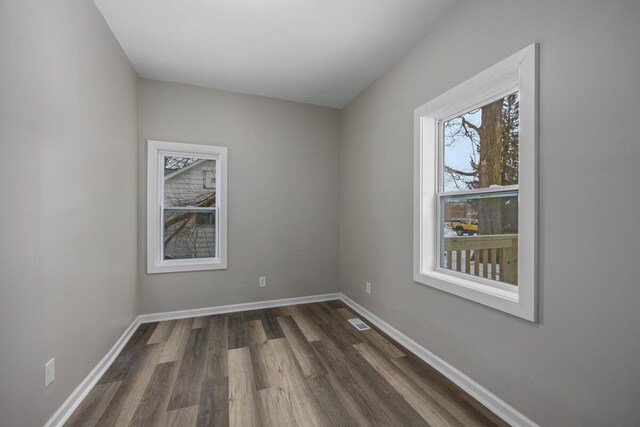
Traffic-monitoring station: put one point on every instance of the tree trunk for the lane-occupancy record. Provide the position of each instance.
(490, 167)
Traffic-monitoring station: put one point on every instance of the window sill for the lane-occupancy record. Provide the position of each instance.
(175, 266)
(491, 296)
(452, 280)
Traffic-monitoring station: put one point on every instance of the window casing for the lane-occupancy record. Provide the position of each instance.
(186, 207)
(455, 249)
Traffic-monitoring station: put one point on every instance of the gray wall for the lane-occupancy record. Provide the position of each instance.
(283, 194)
(67, 179)
(579, 364)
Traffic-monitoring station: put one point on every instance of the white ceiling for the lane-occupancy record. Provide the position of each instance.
(315, 51)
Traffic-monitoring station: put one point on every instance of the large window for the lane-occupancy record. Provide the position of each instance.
(475, 180)
(186, 207)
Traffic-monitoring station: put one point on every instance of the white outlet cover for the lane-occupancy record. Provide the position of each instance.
(368, 287)
(49, 372)
(262, 281)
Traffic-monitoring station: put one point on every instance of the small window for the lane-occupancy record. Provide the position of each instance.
(186, 204)
(475, 180)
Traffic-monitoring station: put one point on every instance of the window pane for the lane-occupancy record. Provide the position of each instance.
(480, 147)
(189, 182)
(479, 235)
(189, 234)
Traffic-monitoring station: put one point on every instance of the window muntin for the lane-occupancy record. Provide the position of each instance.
(186, 207)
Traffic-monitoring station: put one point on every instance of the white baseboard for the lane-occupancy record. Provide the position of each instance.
(232, 308)
(75, 398)
(484, 396)
(498, 406)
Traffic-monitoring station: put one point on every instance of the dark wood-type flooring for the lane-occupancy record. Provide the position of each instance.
(300, 365)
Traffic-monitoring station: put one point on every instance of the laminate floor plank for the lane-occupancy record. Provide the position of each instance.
(422, 402)
(201, 322)
(236, 330)
(162, 332)
(332, 403)
(150, 411)
(123, 404)
(430, 375)
(182, 417)
(306, 408)
(302, 365)
(372, 336)
(335, 304)
(328, 320)
(216, 364)
(260, 353)
(174, 349)
(401, 411)
(130, 355)
(270, 324)
(140, 336)
(213, 409)
(93, 406)
(136, 388)
(309, 328)
(320, 323)
(379, 390)
(350, 387)
(243, 396)
(274, 406)
(302, 349)
(465, 413)
(186, 391)
(399, 350)
(495, 420)
(288, 392)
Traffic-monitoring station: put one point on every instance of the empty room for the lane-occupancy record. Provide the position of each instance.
(319, 213)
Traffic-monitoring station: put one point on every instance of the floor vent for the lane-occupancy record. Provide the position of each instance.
(359, 324)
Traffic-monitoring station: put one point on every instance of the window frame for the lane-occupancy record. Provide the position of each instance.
(518, 72)
(156, 151)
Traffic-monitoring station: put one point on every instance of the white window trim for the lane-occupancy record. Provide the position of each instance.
(517, 72)
(155, 180)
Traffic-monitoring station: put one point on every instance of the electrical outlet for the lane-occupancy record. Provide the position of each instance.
(368, 287)
(262, 281)
(49, 372)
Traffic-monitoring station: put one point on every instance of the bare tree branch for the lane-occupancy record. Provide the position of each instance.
(457, 172)
(466, 123)
(186, 217)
